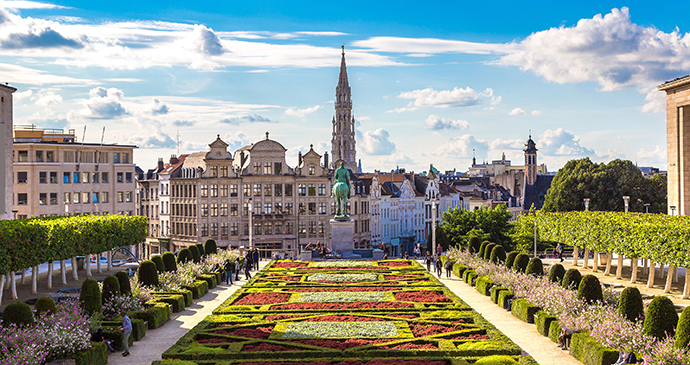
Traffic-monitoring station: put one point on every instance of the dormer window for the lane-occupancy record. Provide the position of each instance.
(312, 169)
(214, 171)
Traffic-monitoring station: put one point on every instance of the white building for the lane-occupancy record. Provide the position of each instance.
(6, 126)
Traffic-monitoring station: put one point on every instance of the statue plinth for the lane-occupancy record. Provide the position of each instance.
(342, 230)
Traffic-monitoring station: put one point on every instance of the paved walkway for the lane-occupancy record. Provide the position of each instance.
(525, 335)
(157, 341)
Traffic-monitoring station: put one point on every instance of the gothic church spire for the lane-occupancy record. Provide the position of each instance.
(343, 141)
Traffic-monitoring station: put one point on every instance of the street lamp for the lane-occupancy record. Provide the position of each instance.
(626, 201)
(433, 226)
(535, 234)
(673, 210)
(251, 225)
(14, 213)
(586, 204)
(646, 207)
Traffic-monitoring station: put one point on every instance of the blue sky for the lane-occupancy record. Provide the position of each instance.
(430, 83)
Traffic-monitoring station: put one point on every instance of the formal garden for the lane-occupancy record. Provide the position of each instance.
(344, 312)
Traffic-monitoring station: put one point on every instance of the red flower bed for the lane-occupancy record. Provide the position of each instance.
(394, 263)
(399, 277)
(289, 265)
(267, 347)
(411, 346)
(422, 296)
(345, 319)
(263, 298)
(353, 362)
(258, 333)
(216, 340)
(342, 344)
(362, 289)
(353, 305)
(475, 336)
(421, 330)
(278, 317)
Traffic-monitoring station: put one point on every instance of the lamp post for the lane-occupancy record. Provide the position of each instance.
(433, 226)
(646, 208)
(626, 201)
(14, 213)
(619, 268)
(673, 210)
(535, 234)
(586, 255)
(251, 225)
(586, 204)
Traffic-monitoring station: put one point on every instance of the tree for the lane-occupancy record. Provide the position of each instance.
(605, 185)
(492, 222)
(442, 239)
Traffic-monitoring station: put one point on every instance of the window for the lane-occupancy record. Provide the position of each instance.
(288, 189)
(214, 171)
(66, 198)
(257, 189)
(289, 228)
(233, 229)
(53, 177)
(302, 228)
(128, 197)
(301, 190)
(322, 189)
(233, 190)
(312, 208)
(214, 229)
(267, 208)
(23, 156)
(277, 168)
(42, 197)
(104, 177)
(257, 228)
(278, 189)
(224, 229)
(322, 208)
(322, 227)
(204, 210)
(279, 208)
(128, 177)
(268, 228)
(278, 228)
(288, 208)
(116, 157)
(85, 177)
(224, 171)
(21, 177)
(204, 191)
(76, 198)
(257, 168)
(120, 177)
(85, 198)
(214, 210)
(312, 169)
(124, 158)
(39, 156)
(312, 189)
(94, 177)
(267, 168)
(224, 191)
(94, 197)
(50, 156)
(120, 197)
(268, 190)
(22, 199)
(302, 208)
(42, 177)
(214, 191)
(65, 177)
(204, 229)
(246, 228)
(312, 227)
(233, 209)
(247, 190)
(224, 210)
(245, 209)
(104, 197)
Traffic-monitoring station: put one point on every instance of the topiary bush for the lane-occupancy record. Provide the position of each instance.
(661, 318)
(510, 259)
(556, 273)
(498, 254)
(535, 267)
(571, 279)
(111, 288)
(487, 251)
(90, 296)
(683, 329)
(17, 313)
(630, 304)
(45, 305)
(210, 246)
(202, 252)
(496, 360)
(521, 262)
(169, 262)
(123, 280)
(482, 248)
(185, 255)
(196, 255)
(148, 274)
(589, 289)
(474, 244)
(158, 260)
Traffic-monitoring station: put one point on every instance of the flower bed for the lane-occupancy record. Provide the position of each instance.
(340, 278)
(422, 296)
(352, 305)
(263, 298)
(339, 329)
(354, 296)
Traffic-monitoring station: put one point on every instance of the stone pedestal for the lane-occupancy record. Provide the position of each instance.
(341, 233)
(305, 255)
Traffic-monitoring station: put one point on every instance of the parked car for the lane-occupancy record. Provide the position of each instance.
(104, 260)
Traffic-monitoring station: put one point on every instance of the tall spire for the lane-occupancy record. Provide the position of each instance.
(343, 84)
(343, 142)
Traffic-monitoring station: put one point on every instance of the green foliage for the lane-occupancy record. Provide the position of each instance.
(556, 273)
(185, 255)
(683, 329)
(198, 288)
(90, 296)
(148, 274)
(482, 248)
(586, 349)
(484, 284)
(176, 300)
(200, 248)
(496, 360)
(554, 331)
(535, 267)
(45, 305)
(524, 310)
(210, 246)
(487, 251)
(661, 318)
(30, 242)
(511, 258)
(589, 289)
(459, 223)
(498, 254)
(169, 262)
(521, 262)
(97, 354)
(543, 321)
(123, 279)
(605, 184)
(156, 316)
(571, 279)
(111, 288)
(158, 260)
(630, 304)
(495, 292)
(474, 244)
(18, 313)
(196, 255)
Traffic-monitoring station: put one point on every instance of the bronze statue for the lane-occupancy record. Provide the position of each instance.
(341, 191)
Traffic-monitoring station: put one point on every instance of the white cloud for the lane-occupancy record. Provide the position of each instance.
(256, 118)
(103, 104)
(428, 45)
(656, 102)
(153, 137)
(560, 142)
(437, 123)
(462, 147)
(21, 95)
(517, 111)
(47, 98)
(29, 76)
(363, 119)
(536, 112)
(376, 142)
(656, 157)
(157, 107)
(235, 141)
(500, 144)
(458, 97)
(300, 113)
(28, 5)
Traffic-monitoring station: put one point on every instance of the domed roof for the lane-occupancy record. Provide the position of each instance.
(530, 146)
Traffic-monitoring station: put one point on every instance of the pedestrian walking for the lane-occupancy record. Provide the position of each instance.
(248, 263)
(255, 259)
(428, 261)
(237, 269)
(559, 249)
(126, 329)
(229, 271)
(438, 268)
(449, 268)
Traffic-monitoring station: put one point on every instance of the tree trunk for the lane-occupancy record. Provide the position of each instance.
(661, 271)
(595, 264)
(609, 258)
(75, 269)
(686, 290)
(633, 270)
(50, 275)
(576, 253)
(586, 263)
(675, 274)
(2, 286)
(98, 264)
(669, 280)
(34, 280)
(88, 265)
(652, 273)
(63, 272)
(645, 262)
(14, 286)
(109, 255)
(619, 269)
(23, 276)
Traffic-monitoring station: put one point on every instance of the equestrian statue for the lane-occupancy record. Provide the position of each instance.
(341, 192)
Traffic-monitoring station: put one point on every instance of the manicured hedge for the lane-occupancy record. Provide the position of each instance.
(115, 335)
(556, 273)
(169, 262)
(97, 354)
(176, 300)
(586, 349)
(504, 298)
(138, 325)
(459, 269)
(18, 313)
(521, 262)
(524, 310)
(543, 321)
(661, 318)
(198, 288)
(186, 295)
(495, 292)
(211, 279)
(510, 259)
(470, 276)
(554, 331)
(156, 316)
(484, 285)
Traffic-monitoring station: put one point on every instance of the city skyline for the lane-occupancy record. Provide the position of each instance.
(582, 80)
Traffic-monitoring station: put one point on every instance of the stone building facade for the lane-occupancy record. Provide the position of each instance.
(6, 126)
(678, 143)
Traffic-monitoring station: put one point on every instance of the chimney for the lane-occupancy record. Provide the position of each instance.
(173, 159)
(160, 163)
(325, 159)
(299, 159)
